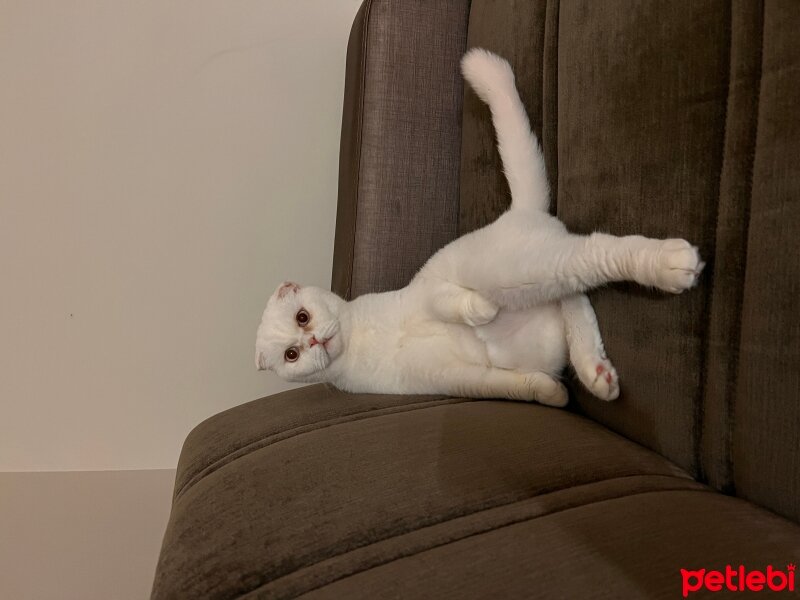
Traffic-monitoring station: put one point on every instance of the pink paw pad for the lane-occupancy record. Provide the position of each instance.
(600, 370)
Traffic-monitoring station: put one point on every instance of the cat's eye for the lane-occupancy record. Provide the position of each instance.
(291, 354)
(302, 317)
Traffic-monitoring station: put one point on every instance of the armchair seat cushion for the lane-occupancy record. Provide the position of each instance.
(343, 496)
(629, 546)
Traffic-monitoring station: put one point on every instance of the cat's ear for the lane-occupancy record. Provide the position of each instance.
(261, 361)
(286, 288)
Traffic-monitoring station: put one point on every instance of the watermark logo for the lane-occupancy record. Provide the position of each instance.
(738, 580)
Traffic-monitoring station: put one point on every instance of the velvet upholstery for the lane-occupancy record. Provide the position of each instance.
(296, 492)
(765, 410)
(610, 548)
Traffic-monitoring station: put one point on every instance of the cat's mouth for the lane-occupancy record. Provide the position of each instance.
(324, 343)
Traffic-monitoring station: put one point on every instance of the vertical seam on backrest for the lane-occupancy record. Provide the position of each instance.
(360, 132)
(725, 479)
(555, 80)
(546, 49)
(698, 467)
(461, 123)
(730, 400)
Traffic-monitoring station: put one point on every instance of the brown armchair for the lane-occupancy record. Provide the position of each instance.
(665, 119)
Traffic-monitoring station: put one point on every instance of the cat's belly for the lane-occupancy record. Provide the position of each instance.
(431, 342)
(415, 357)
(526, 340)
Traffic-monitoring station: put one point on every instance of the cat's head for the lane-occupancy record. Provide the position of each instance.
(299, 335)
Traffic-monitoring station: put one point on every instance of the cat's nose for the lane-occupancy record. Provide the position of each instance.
(313, 342)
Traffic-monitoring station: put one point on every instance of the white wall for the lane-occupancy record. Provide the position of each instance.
(163, 166)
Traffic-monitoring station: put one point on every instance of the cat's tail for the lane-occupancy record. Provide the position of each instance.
(523, 162)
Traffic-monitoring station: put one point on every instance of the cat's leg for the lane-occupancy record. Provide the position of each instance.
(475, 381)
(527, 257)
(517, 271)
(586, 351)
(671, 265)
(453, 304)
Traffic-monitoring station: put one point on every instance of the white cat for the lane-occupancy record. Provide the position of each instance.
(494, 314)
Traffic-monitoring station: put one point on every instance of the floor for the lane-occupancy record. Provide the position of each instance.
(81, 535)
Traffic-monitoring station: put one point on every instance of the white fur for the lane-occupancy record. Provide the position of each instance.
(497, 312)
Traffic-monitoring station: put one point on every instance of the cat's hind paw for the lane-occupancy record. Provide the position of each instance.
(600, 378)
(477, 310)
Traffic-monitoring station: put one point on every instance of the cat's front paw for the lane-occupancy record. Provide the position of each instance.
(600, 378)
(678, 266)
(546, 390)
(478, 310)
